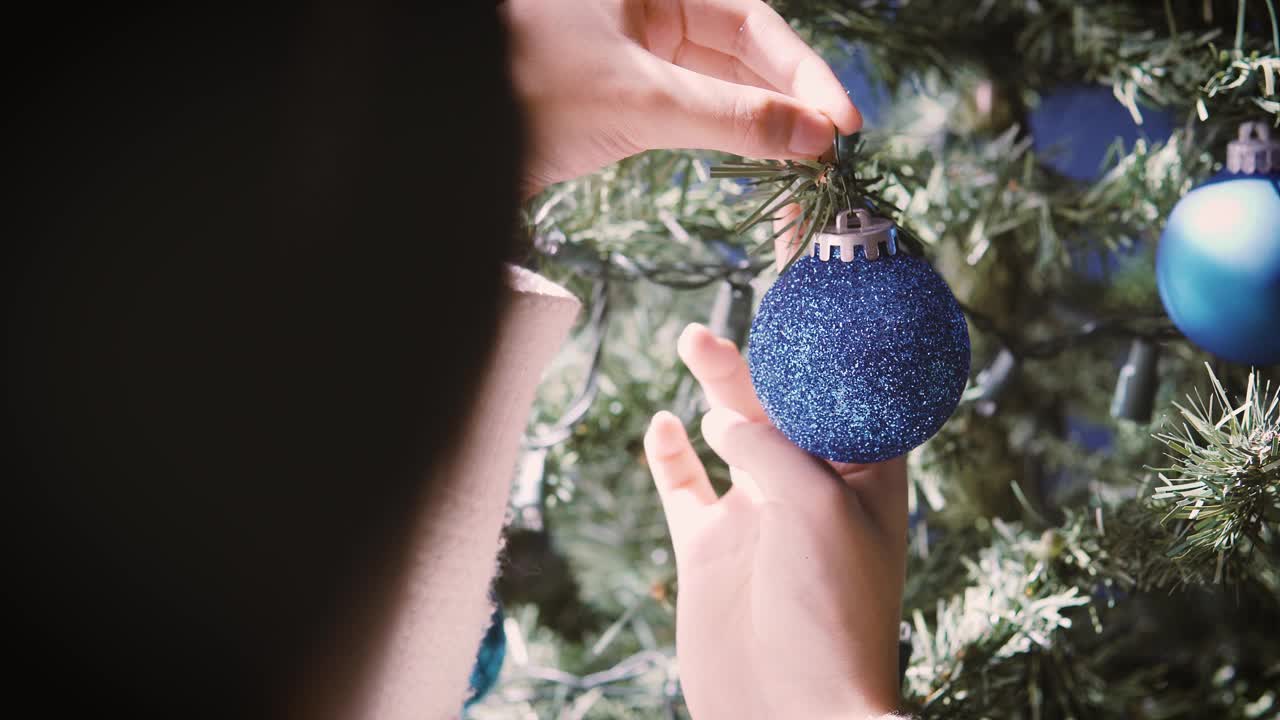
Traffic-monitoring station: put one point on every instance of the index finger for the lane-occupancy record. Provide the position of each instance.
(754, 33)
(781, 471)
(720, 370)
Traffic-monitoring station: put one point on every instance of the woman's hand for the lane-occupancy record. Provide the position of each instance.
(790, 585)
(604, 79)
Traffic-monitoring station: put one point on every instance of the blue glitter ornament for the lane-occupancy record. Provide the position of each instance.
(493, 650)
(859, 356)
(1218, 262)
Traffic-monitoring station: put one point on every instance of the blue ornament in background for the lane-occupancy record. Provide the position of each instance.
(859, 356)
(1073, 127)
(493, 650)
(1218, 262)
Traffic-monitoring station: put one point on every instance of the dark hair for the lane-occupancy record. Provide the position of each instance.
(253, 280)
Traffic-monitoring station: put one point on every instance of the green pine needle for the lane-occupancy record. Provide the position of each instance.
(820, 188)
(1225, 477)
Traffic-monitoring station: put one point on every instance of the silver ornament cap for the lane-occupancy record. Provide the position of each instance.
(868, 233)
(1252, 155)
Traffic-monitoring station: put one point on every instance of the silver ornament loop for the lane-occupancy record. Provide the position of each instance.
(1249, 155)
(869, 232)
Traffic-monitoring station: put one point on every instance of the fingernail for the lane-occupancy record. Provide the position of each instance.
(857, 121)
(665, 416)
(686, 338)
(665, 433)
(811, 134)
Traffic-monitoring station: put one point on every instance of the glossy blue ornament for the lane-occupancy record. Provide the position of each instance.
(1218, 262)
(859, 360)
(493, 650)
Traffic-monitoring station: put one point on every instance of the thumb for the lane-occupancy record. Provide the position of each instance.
(697, 111)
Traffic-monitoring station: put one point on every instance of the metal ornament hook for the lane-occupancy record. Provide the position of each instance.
(869, 232)
(1249, 155)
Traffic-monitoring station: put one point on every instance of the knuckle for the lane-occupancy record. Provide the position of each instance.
(742, 38)
(754, 436)
(633, 95)
(761, 123)
(721, 427)
(719, 368)
(632, 82)
(626, 105)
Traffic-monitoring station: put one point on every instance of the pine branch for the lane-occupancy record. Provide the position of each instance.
(820, 188)
(1225, 478)
(989, 210)
(972, 652)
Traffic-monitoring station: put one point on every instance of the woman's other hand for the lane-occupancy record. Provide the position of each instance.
(601, 80)
(790, 585)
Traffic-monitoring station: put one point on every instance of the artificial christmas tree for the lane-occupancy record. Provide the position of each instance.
(1074, 554)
